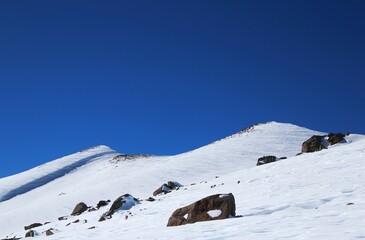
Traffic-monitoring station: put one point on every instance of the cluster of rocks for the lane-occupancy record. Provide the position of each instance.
(126, 157)
(313, 144)
(317, 142)
(219, 206)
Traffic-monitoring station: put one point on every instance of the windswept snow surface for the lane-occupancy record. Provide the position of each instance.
(302, 197)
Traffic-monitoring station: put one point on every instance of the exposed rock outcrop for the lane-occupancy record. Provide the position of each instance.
(30, 233)
(124, 202)
(214, 207)
(33, 225)
(334, 138)
(314, 144)
(167, 187)
(102, 203)
(79, 209)
(49, 232)
(265, 160)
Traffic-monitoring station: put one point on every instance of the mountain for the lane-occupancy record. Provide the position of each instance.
(316, 195)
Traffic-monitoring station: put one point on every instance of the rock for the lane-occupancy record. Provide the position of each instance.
(124, 202)
(62, 218)
(314, 144)
(167, 187)
(102, 203)
(265, 160)
(49, 232)
(92, 209)
(150, 199)
(93, 227)
(76, 221)
(350, 203)
(282, 158)
(33, 225)
(79, 208)
(214, 207)
(334, 138)
(30, 233)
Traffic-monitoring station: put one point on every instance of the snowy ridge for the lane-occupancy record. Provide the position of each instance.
(41, 175)
(302, 197)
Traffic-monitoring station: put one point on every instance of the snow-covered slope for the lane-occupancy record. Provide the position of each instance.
(298, 198)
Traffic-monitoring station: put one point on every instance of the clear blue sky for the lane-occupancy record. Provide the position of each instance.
(164, 77)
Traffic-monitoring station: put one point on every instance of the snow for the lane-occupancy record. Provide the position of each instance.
(302, 197)
(214, 213)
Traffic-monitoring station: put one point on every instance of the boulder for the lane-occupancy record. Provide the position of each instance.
(79, 208)
(30, 233)
(49, 232)
(124, 202)
(334, 138)
(214, 207)
(314, 144)
(167, 187)
(102, 203)
(265, 160)
(33, 225)
(62, 218)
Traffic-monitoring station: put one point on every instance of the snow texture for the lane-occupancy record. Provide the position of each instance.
(318, 195)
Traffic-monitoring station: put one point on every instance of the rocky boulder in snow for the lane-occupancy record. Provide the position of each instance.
(214, 207)
(79, 208)
(124, 202)
(33, 225)
(334, 138)
(49, 232)
(265, 160)
(313, 144)
(102, 203)
(167, 187)
(30, 233)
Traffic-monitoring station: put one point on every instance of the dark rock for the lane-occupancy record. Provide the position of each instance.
(314, 144)
(150, 199)
(92, 209)
(30, 233)
(62, 218)
(93, 227)
(33, 226)
(46, 223)
(223, 205)
(350, 203)
(282, 158)
(334, 138)
(124, 202)
(76, 221)
(102, 203)
(265, 160)
(238, 182)
(68, 224)
(167, 187)
(49, 232)
(127, 157)
(79, 208)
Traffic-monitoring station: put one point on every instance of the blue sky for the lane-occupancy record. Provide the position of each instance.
(165, 77)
